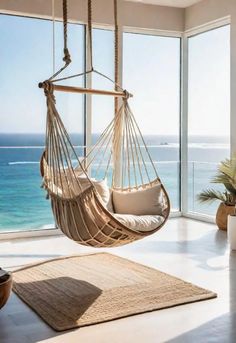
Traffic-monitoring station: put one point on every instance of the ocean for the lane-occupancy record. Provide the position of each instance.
(22, 202)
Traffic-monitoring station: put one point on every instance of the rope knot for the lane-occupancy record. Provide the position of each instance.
(48, 89)
(67, 58)
(127, 94)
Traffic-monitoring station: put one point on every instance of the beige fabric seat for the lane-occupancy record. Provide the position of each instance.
(140, 223)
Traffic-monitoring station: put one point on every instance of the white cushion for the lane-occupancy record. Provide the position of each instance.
(139, 223)
(67, 185)
(101, 187)
(143, 201)
(105, 194)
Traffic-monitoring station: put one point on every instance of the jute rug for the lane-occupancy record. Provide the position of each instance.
(82, 290)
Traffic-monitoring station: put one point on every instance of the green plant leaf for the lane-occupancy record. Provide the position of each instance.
(230, 188)
(226, 175)
(228, 169)
(210, 195)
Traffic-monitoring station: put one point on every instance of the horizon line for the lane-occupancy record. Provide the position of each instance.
(99, 133)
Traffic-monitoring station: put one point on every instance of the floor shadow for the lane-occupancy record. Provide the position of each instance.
(232, 282)
(221, 329)
(59, 301)
(209, 245)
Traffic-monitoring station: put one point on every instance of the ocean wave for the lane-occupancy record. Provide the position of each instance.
(208, 146)
(32, 147)
(22, 147)
(23, 162)
(47, 227)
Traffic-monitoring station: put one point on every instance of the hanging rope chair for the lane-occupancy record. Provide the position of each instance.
(85, 210)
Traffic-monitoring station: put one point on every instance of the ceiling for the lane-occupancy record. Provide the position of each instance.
(172, 3)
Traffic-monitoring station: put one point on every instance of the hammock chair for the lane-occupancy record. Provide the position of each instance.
(86, 210)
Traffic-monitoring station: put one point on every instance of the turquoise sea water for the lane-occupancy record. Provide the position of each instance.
(22, 202)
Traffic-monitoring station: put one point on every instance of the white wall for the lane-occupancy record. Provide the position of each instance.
(151, 16)
(207, 11)
(130, 13)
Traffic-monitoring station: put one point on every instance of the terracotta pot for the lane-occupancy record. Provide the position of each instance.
(5, 290)
(222, 215)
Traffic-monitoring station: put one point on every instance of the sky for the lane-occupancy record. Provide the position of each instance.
(151, 72)
(209, 82)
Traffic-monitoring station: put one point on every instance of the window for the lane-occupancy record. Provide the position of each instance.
(102, 106)
(152, 74)
(208, 111)
(26, 61)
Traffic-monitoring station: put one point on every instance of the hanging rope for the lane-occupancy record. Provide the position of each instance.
(53, 37)
(90, 33)
(116, 47)
(66, 58)
(90, 49)
(116, 53)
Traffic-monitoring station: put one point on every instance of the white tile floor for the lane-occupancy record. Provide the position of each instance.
(192, 250)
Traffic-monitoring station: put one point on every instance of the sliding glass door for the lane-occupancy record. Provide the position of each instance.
(151, 71)
(208, 111)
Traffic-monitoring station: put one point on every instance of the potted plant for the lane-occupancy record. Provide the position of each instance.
(5, 286)
(226, 176)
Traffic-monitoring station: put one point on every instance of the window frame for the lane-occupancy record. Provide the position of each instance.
(215, 24)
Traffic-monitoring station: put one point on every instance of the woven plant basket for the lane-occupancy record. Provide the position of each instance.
(5, 289)
(222, 215)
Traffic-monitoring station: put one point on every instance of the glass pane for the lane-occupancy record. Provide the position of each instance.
(208, 112)
(152, 75)
(102, 106)
(26, 61)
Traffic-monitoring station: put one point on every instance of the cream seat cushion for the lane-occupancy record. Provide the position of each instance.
(147, 200)
(139, 223)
